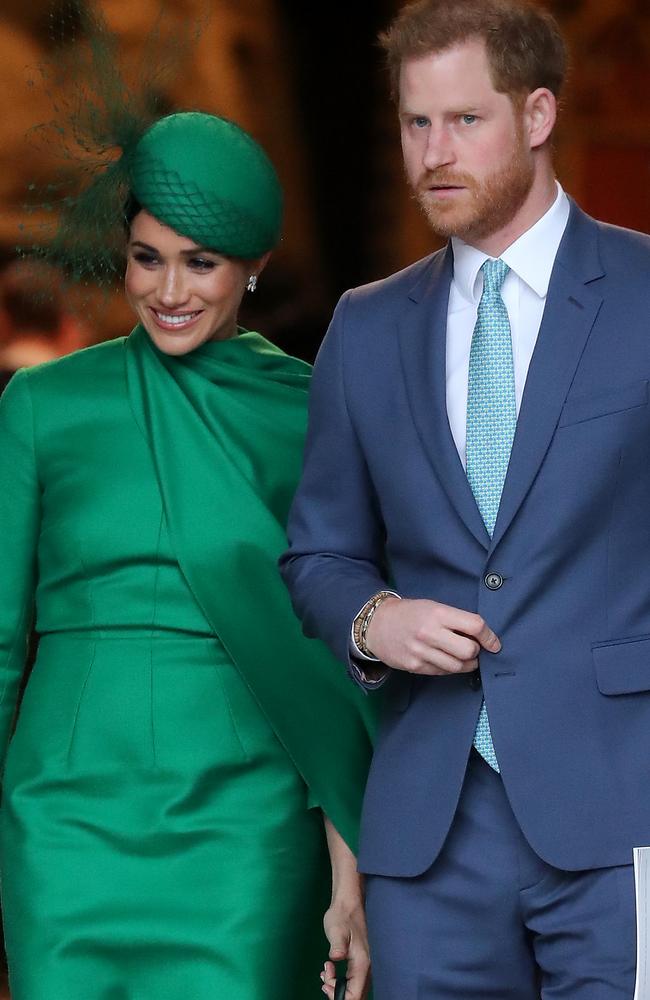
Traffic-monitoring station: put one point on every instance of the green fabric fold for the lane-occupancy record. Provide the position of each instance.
(225, 425)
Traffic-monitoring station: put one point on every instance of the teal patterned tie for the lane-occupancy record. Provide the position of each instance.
(491, 421)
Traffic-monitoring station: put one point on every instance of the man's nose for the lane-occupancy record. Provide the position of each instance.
(173, 290)
(439, 151)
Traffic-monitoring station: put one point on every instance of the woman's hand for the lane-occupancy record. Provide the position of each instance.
(345, 921)
(345, 927)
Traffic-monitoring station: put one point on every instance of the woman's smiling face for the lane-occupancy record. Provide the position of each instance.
(183, 294)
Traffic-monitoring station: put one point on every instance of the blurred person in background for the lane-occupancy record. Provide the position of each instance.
(36, 324)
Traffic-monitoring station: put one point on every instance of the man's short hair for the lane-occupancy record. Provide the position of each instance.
(524, 44)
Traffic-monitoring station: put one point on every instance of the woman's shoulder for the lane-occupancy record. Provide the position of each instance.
(90, 363)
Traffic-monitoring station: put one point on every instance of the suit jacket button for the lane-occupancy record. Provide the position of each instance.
(475, 680)
(493, 581)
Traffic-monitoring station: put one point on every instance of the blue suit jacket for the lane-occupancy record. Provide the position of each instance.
(385, 497)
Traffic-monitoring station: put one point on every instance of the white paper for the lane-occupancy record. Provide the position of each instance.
(642, 892)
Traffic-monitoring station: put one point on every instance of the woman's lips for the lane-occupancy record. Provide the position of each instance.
(175, 321)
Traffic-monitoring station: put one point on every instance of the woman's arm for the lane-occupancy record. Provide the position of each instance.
(19, 526)
(345, 921)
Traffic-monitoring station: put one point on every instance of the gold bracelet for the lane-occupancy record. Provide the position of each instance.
(365, 616)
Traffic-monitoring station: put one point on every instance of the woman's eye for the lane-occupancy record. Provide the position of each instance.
(201, 264)
(148, 259)
(420, 122)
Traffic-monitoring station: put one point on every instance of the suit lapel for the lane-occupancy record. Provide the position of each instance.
(571, 310)
(422, 339)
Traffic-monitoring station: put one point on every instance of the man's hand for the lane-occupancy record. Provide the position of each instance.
(424, 637)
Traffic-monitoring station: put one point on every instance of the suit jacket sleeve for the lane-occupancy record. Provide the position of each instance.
(19, 519)
(336, 536)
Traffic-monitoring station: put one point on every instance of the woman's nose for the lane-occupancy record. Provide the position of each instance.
(173, 290)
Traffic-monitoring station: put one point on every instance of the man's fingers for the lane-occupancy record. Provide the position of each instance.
(488, 640)
(450, 665)
(425, 637)
(435, 662)
(475, 627)
(460, 646)
(428, 641)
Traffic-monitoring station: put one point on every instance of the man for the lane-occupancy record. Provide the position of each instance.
(475, 515)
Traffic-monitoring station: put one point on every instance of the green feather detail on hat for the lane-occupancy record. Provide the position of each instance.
(198, 173)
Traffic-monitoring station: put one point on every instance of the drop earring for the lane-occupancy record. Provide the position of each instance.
(251, 284)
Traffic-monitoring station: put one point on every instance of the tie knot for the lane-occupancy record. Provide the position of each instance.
(494, 274)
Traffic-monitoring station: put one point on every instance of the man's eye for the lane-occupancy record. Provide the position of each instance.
(469, 119)
(420, 122)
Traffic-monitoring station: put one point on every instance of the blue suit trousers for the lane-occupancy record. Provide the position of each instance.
(490, 920)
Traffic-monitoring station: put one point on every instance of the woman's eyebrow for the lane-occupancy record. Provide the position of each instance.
(192, 252)
(197, 250)
(145, 246)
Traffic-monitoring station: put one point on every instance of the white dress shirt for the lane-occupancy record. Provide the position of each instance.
(530, 259)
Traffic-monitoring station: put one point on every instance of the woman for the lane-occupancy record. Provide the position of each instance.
(160, 832)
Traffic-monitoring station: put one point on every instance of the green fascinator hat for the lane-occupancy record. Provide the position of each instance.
(208, 179)
(200, 174)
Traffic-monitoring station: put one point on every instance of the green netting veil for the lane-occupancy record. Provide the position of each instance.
(198, 173)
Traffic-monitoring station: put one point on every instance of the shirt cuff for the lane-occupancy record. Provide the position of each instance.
(357, 658)
(360, 676)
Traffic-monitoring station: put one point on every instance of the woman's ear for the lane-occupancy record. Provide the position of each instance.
(257, 266)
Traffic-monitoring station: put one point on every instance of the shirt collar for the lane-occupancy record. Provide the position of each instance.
(531, 257)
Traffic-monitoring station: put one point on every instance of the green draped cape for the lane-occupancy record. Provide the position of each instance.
(225, 425)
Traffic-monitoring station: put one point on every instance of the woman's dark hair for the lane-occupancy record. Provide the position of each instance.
(131, 208)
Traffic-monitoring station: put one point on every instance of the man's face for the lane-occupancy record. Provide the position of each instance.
(464, 144)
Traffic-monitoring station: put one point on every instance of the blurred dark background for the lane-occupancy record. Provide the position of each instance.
(309, 84)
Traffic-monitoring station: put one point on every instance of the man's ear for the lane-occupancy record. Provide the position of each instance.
(540, 114)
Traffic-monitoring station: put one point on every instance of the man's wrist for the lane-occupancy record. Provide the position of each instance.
(363, 619)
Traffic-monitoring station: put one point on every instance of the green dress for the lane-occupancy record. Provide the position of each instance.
(158, 833)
